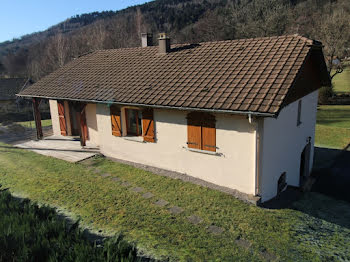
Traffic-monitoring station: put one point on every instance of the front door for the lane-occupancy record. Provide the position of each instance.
(305, 163)
(74, 120)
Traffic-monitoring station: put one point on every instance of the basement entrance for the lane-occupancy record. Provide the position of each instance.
(305, 163)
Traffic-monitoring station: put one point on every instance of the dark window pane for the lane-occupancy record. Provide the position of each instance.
(134, 123)
(132, 126)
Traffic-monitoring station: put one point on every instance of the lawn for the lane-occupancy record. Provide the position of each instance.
(341, 82)
(333, 126)
(31, 124)
(101, 202)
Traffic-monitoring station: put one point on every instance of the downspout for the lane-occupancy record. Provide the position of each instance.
(257, 154)
(257, 165)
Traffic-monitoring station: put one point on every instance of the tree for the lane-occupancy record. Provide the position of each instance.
(258, 18)
(334, 32)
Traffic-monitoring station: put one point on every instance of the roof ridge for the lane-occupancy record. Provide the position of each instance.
(305, 39)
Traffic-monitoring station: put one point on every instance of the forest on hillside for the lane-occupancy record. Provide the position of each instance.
(186, 21)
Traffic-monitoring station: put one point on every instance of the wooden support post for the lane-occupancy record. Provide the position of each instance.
(82, 127)
(37, 118)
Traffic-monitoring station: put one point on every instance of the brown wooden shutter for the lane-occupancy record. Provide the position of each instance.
(194, 133)
(208, 135)
(62, 118)
(148, 125)
(116, 122)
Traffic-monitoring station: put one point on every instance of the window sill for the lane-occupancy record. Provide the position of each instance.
(138, 139)
(203, 151)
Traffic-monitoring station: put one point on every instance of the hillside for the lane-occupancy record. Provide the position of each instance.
(38, 54)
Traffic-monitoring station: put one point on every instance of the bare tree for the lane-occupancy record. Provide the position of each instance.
(334, 32)
(96, 36)
(258, 18)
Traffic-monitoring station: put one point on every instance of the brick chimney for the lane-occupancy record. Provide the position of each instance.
(164, 43)
(146, 39)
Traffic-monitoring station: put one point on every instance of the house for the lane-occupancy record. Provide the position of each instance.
(9, 87)
(240, 114)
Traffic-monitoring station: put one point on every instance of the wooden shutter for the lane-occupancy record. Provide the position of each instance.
(194, 133)
(208, 135)
(61, 118)
(148, 125)
(116, 122)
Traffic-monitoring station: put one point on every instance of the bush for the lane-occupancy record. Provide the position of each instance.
(326, 92)
(30, 233)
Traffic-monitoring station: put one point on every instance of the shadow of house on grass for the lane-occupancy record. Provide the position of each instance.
(329, 197)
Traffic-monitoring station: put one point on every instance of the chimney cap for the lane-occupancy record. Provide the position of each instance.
(163, 36)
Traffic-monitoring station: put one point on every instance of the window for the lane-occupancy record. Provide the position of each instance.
(136, 122)
(201, 132)
(299, 113)
(133, 122)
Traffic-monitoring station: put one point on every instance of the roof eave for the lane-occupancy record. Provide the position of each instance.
(258, 114)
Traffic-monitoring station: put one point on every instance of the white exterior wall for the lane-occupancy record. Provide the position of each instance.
(235, 139)
(54, 117)
(91, 122)
(283, 143)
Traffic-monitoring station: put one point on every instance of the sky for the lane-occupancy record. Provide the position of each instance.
(20, 17)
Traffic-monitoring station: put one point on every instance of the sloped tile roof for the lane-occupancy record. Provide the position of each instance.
(250, 75)
(9, 87)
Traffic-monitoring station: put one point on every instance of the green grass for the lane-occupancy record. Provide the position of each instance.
(32, 233)
(31, 124)
(333, 126)
(341, 82)
(104, 204)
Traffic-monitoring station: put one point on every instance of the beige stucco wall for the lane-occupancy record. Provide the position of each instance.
(91, 122)
(54, 117)
(283, 143)
(235, 168)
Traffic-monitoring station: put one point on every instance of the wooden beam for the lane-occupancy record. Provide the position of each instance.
(37, 118)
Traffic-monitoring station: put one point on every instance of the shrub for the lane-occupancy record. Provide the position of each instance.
(326, 92)
(30, 233)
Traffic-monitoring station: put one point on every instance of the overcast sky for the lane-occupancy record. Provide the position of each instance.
(20, 17)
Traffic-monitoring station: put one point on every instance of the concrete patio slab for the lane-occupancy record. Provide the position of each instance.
(65, 148)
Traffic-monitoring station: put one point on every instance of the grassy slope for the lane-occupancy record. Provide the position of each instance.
(32, 233)
(46, 122)
(333, 126)
(341, 82)
(104, 204)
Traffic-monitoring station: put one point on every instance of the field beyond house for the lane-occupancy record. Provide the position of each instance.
(333, 126)
(341, 82)
(108, 196)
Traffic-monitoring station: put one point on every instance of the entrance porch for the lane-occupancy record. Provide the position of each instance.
(67, 148)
